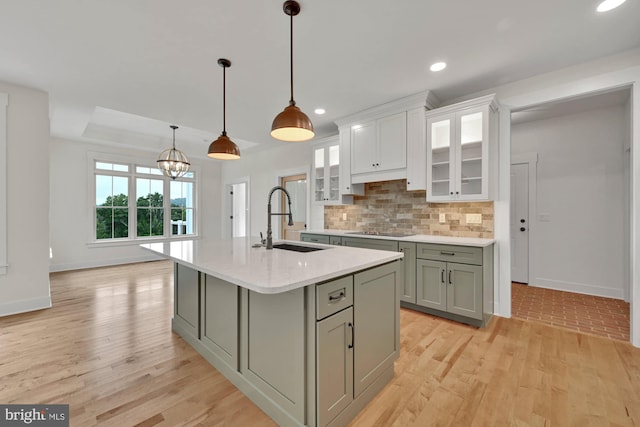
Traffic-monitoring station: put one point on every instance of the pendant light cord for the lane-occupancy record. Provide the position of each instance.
(291, 101)
(224, 100)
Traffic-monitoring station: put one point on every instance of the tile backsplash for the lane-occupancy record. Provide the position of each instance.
(389, 207)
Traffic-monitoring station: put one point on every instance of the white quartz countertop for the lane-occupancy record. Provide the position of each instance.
(269, 271)
(418, 238)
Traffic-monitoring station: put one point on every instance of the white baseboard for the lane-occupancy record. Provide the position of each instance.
(22, 306)
(579, 288)
(102, 263)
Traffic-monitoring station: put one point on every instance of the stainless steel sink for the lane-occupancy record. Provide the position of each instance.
(296, 248)
(381, 233)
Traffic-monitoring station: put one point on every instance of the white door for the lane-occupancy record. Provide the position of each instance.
(520, 222)
(238, 209)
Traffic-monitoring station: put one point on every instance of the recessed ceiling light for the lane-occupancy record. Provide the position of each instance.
(438, 66)
(607, 5)
(319, 111)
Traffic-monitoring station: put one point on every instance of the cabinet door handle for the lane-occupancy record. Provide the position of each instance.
(447, 253)
(350, 325)
(442, 276)
(339, 297)
(450, 282)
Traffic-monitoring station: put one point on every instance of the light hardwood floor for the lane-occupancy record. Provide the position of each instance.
(106, 348)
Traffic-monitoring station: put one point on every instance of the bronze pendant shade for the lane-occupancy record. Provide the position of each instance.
(224, 148)
(292, 124)
(173, 162)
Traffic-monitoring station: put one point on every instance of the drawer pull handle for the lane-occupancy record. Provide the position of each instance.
(350, 325)
(447, 253)
(339, 297)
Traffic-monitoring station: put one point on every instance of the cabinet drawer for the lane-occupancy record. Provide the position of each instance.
(450, 253)
(315, 238)
(331, 297)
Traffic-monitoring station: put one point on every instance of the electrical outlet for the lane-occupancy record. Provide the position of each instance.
(344, 216)
(474, 218)
(442, 218)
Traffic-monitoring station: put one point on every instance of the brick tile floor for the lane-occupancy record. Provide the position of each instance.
(601, 316)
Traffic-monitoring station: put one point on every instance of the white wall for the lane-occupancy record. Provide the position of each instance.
(263, 167)
(71, 219)
(25, 287)
(580, 245)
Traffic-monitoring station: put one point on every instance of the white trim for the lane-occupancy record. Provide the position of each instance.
(132, 174)
(531, 160)
(4, 102)
(579, 288)
(225, 228)
(25, 305)
(422, 99)
(290, 172)
(93, 264)
(628, 77)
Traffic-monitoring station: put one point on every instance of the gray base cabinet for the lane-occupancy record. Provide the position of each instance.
(408, 288)
(314, 356)
(456, 281)
(186, 303)
(451, 281)
(220, 320)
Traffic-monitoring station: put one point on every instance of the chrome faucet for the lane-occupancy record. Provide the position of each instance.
(269, 213)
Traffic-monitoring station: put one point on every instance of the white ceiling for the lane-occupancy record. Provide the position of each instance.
(123, 70)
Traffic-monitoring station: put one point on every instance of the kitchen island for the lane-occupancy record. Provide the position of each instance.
(310, 337)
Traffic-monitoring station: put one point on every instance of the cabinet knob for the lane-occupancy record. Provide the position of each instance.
(347, 187)
(377, 164)
(522, 229)
(408, 182)
(451, 193)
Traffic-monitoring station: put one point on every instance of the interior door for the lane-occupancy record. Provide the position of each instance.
(238, 207)
(296, 186)
(520, 222)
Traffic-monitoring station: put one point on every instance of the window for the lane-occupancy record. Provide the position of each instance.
(150, 214)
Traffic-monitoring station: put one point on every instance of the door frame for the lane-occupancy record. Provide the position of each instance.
(570, 88)
(277, 179)
(531, 159)
(283, 205)
(226, 205)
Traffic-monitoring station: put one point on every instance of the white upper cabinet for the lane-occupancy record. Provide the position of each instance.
(326, 173)
(460, 139)
(380, 140)
(330, 179)
(379, 145)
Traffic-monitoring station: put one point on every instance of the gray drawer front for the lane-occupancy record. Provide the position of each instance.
(368, 243)
(450, 253)
(331, 297)
(314, 238)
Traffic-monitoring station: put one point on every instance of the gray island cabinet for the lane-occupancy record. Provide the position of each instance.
(308, 355)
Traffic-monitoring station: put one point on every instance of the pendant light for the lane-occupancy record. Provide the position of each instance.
(173, 162)
(224, 148)
(292, 124)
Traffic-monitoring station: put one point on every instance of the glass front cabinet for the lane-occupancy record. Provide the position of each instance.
(326, 173)
(460, 139)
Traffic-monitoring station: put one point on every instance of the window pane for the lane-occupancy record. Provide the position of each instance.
(188, 217)
(150, 222)
(112, 167)
(112, 223)
(149, 192)
(120, 191)
(182, 194)
(146, 170)
(120, 223)
(157, 222)
(103, 190)
(144, 220)
(104, 223)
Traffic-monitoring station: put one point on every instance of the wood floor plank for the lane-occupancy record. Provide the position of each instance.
(106, 348)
